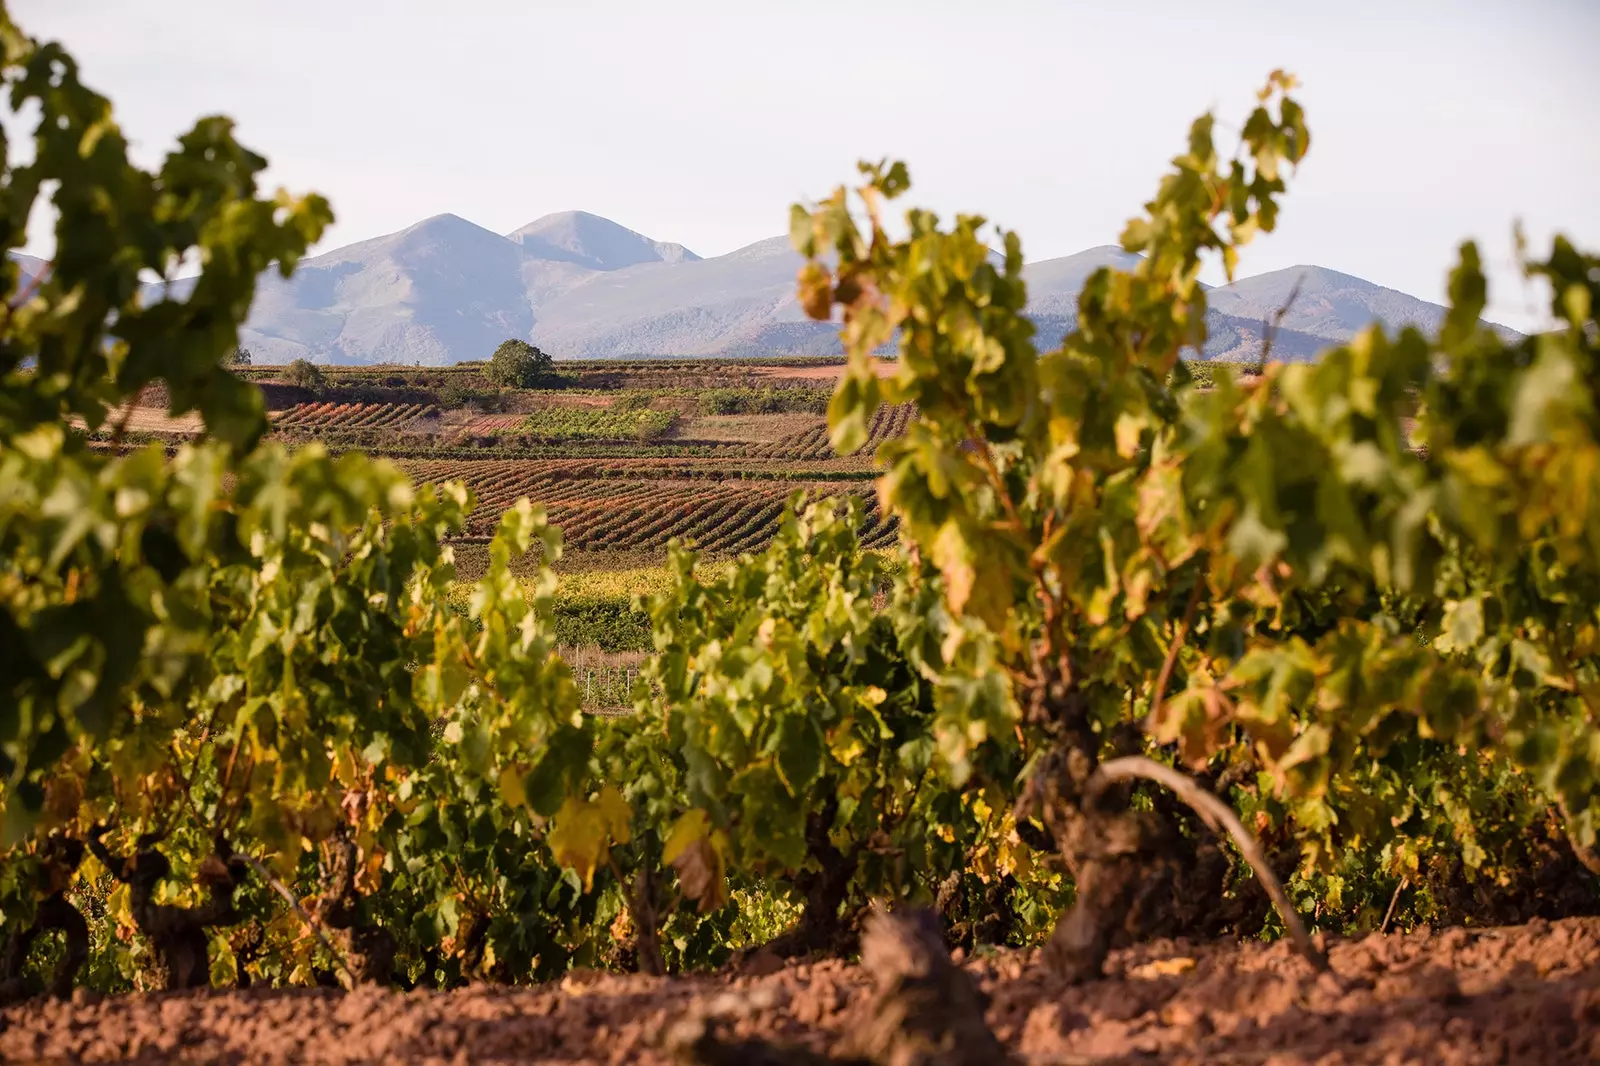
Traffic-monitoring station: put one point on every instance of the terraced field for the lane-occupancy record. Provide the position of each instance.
(625, 456)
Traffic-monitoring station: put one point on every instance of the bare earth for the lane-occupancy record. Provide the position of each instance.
(1525, 994)
(150, 420)
(487, 424)
(884, 368)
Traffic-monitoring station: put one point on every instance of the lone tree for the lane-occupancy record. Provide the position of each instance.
(240, 356)
(306, 375)
(516, 364)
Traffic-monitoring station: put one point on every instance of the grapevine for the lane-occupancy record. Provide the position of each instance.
(1086, 505)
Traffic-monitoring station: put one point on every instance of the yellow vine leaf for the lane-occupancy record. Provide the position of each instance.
(584, 831)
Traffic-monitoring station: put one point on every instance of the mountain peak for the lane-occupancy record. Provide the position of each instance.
(442, 221)
(594, 242)
(1054, 284)
(442, 227)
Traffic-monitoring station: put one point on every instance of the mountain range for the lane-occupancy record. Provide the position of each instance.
(581, 286)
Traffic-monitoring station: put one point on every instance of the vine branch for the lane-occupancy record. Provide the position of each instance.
(1587, 856)
(300, 912)
(1178, 638)
(1220, 817)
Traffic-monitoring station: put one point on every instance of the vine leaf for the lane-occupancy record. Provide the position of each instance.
(699, 853)
(584, 831)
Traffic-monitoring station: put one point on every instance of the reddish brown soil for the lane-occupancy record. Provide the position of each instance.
(884, 368)
(148, 420)
(484, 425)
(1527, 994)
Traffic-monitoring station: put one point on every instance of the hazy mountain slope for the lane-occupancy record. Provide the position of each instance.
(704, 307)
(1054, 284)
(1229, 338)
(593, 242)
(580, 285)
(441, 291)
(1241, 340)
(1328, 308)
(1327, 304)
(437, 292)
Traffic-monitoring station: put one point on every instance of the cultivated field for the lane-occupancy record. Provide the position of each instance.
(625, 455)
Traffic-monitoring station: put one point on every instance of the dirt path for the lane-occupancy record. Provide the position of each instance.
(1528, 994)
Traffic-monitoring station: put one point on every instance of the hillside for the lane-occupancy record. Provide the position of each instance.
(1054, 284)
(706, 307)
(426, 294)
(1324, 303)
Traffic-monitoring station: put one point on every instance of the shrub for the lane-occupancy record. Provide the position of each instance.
(306, 375)
(516, 364)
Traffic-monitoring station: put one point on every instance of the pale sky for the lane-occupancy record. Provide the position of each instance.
(700, 122)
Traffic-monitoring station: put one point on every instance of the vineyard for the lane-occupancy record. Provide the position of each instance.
(581, 423)
(317, 416)
(616, 498)
(640, 507)
(886, 423)
(1061, 705)
(618, 469)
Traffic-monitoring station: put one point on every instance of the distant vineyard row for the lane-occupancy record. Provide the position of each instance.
(553, 469)
(813, 443)
(343, 416)
(633, 511)
(560, 431)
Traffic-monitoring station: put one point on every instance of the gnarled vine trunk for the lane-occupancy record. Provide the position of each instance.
(820, 928)
(178, 934)
(646, 919)
(1137, 875)
(55, 914)
(368, 949)
(1126, 864)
